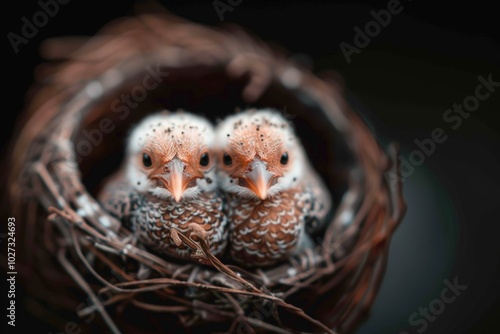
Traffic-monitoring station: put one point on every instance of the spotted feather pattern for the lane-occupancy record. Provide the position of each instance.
(118, 199)
(265, 232)
(320, 202)
(152, 218)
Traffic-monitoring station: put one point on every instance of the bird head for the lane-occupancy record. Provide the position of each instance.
(259, 155)
(169, 155)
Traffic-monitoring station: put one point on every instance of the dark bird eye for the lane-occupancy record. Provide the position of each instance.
(146, 160)
(204, 159)
(227, 159)
(284, 158)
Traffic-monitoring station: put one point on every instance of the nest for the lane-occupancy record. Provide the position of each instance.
(83, 266)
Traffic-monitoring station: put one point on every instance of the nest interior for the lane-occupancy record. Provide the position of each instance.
(89, 258)
(212, 93)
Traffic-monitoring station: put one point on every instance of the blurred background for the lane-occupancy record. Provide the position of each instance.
(403, 81)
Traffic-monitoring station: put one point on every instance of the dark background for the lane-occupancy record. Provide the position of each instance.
(424, 61)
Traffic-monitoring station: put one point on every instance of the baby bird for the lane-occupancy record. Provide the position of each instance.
(167, 182)
(272, 191)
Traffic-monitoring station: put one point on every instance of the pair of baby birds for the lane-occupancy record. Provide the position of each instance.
(247, 182)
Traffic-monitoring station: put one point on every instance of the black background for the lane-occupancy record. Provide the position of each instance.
(424, 61)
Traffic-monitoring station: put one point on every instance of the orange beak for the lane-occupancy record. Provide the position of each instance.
(176, 180)
(258, 180)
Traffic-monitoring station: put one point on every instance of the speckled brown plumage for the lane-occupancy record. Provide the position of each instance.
(265, 232)
(152, 218)
(155, 217)
(167, 182)
(275, 198)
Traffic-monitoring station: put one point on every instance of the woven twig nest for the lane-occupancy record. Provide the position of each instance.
(81, 262)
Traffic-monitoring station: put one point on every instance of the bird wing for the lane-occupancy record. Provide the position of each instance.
(118, 198)
(319, 202)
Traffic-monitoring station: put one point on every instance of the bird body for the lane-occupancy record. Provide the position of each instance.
(155, 218)
(267, 231)
(168, 182)
(272, 191)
